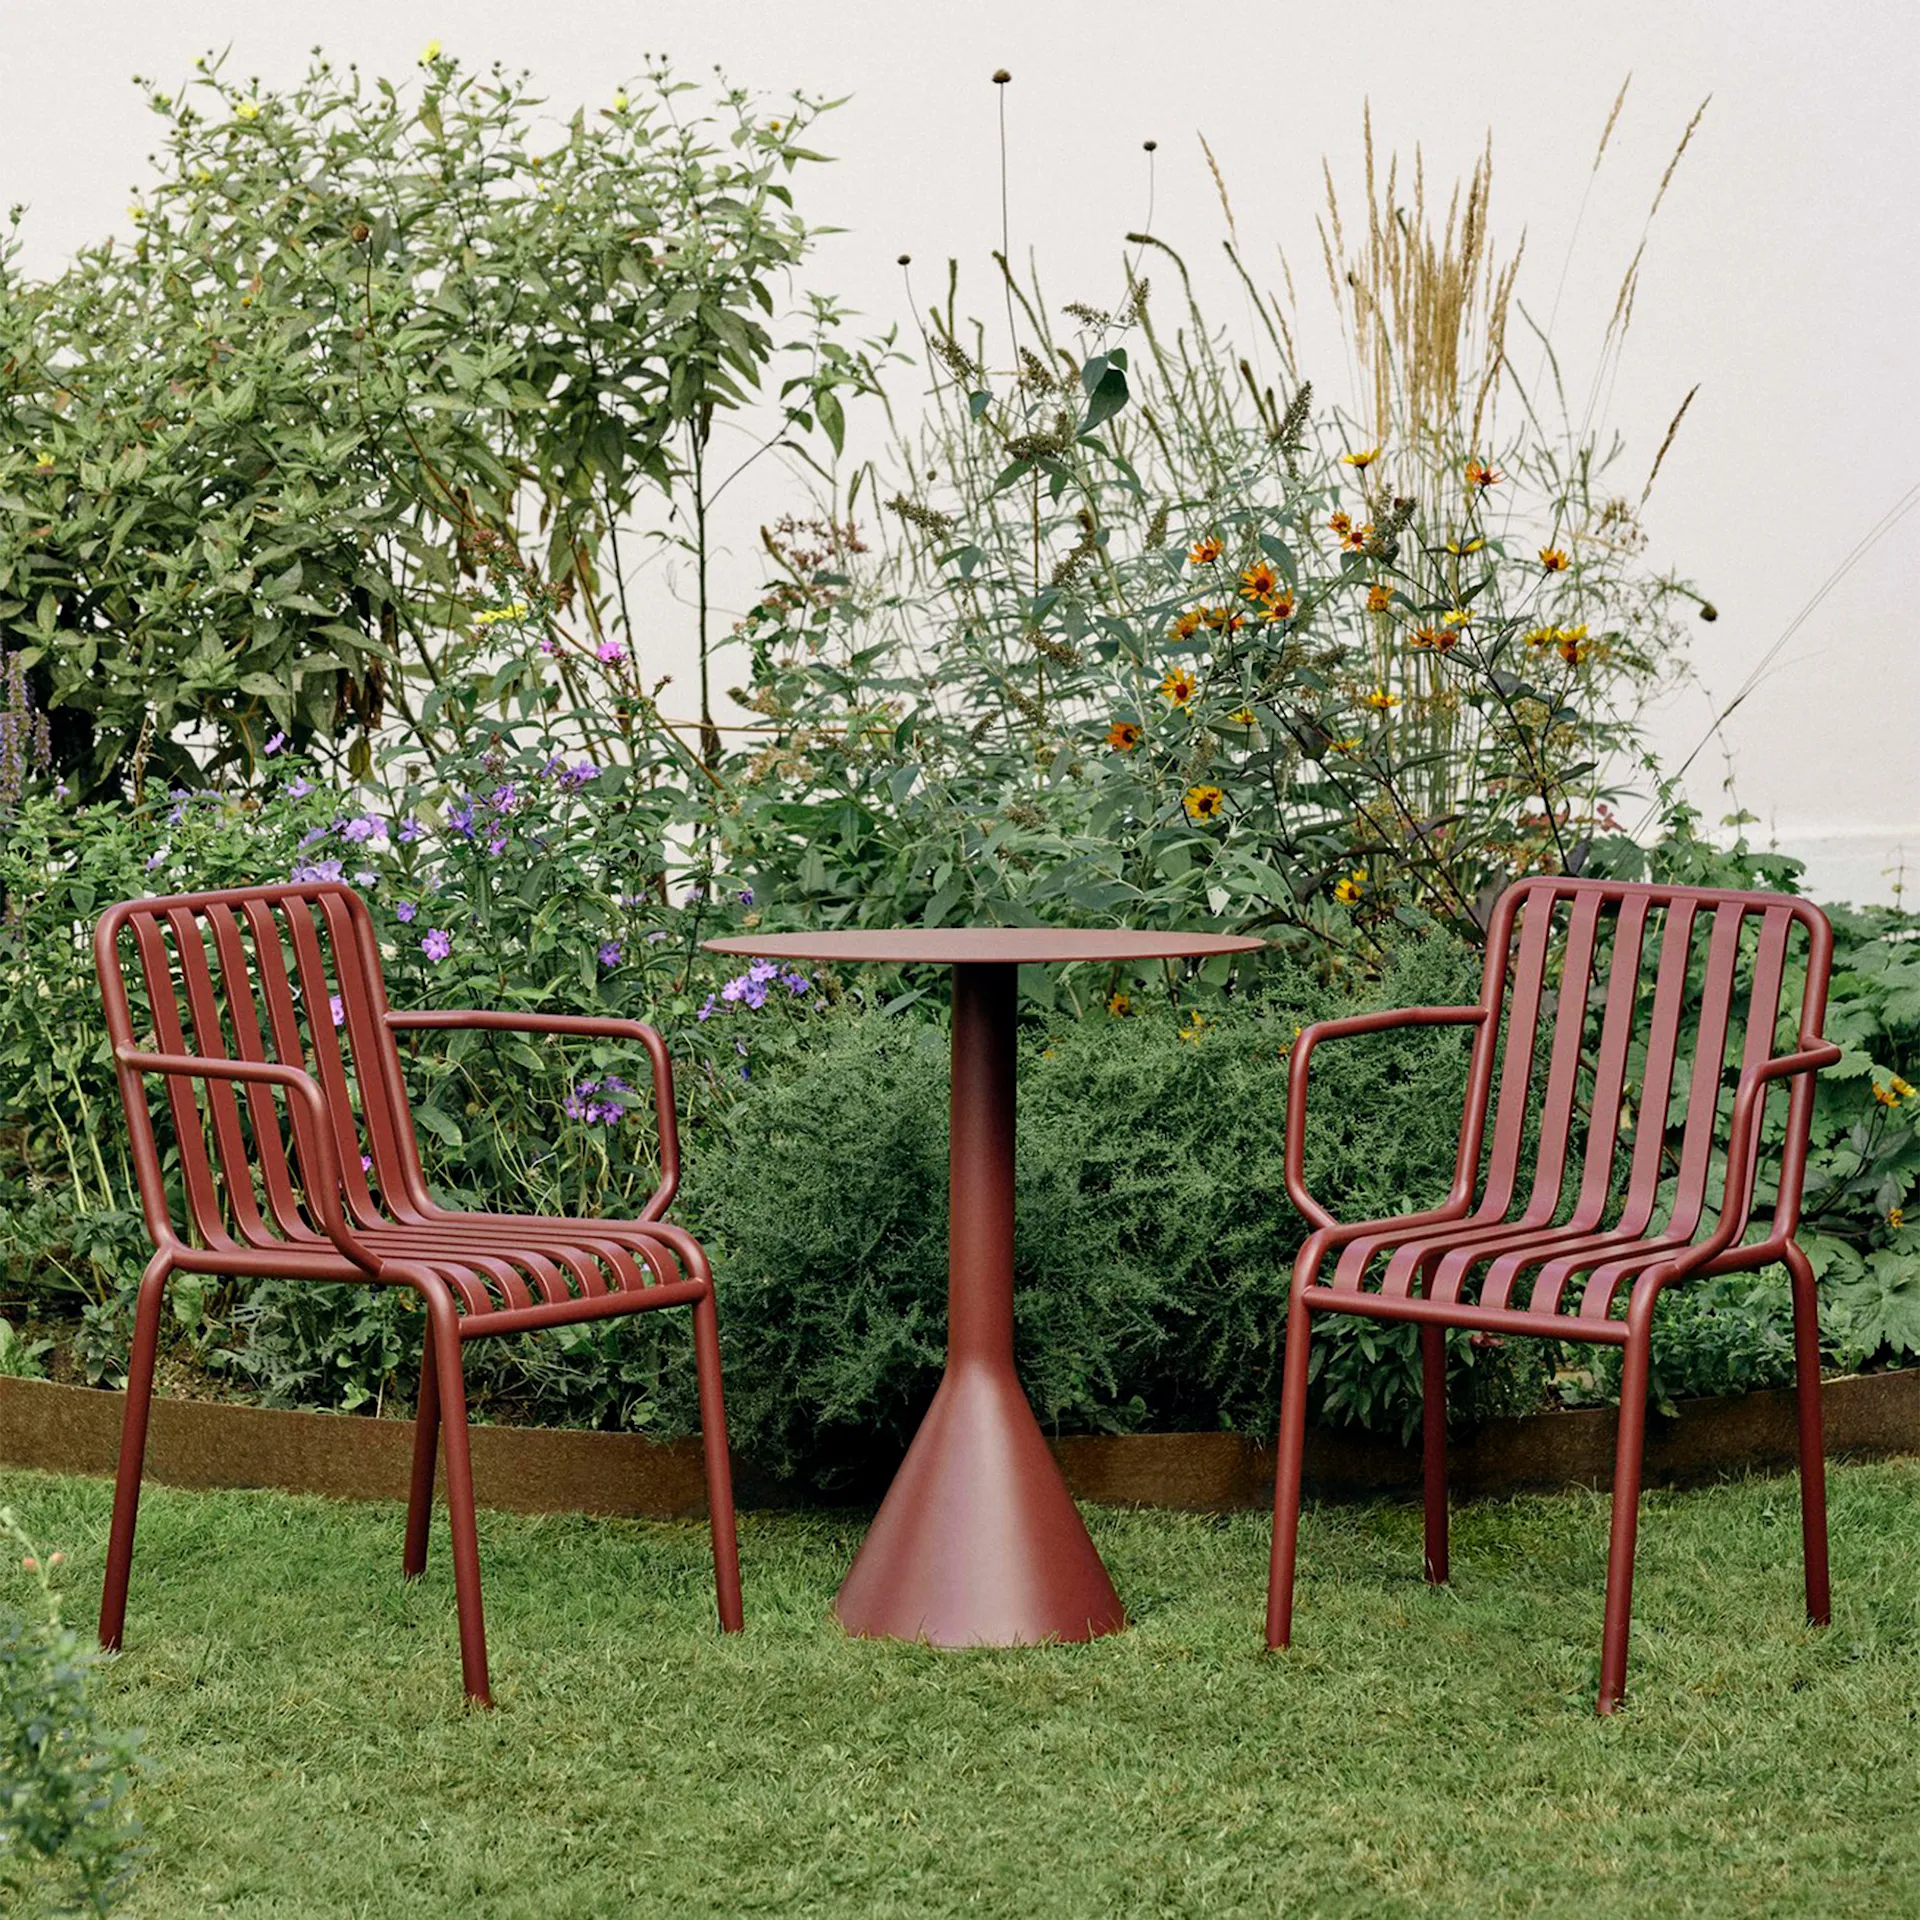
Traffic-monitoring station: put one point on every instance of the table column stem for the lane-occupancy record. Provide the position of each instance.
(980, 1166)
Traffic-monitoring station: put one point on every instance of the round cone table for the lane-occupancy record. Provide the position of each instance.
(978, 1542)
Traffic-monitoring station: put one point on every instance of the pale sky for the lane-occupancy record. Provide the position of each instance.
(1782, 273)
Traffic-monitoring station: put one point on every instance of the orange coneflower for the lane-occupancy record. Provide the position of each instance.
(1258, 582)
(1123, 736)
(1479, 475)
(1554, 559)
(1340, 523)
(1204, 803)
(1179, 686)
(1204, 550)
(1379, 598)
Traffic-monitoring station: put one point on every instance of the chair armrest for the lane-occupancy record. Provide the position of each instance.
(315, 1139)
(582, 1026)
(1310, 1037)
(1748, 1099)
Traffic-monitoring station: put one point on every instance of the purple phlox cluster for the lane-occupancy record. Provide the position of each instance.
(26, 745)
(707, 1012)
(311, 835)
(750, 989)
(609, 953)
(366, 877)
(299, 787)
(159, 859)
(310, 870)
(655, 937)
(460, 820)
(599, 1102)
(336, 1010)
(364, 830)
(404, 910)
(179, 812)
(438, 943)
(497, 843)
(746, 896)
(609, 653)
(579, 774)
(275, 741)
(409, 830)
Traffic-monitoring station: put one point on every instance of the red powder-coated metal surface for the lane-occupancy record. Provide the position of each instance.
(1642, 1171)
(978, 1542)
(995, 946)
(266, 1022)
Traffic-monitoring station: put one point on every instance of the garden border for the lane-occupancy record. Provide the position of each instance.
(64, 1429)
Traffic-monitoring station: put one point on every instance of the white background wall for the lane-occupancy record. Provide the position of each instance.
(1783, 272)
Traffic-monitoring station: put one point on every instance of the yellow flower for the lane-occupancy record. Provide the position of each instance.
(1221, 619)
(1356, 538)
(1340, 523)
(1554, 559)
(431, 51)
(1344, 746)
(1455, 617)
(1459, 549)
(1204, 551)
(1365, 458)
(43, 460)
(1379, 598)
(1204, 804)
(1895, 1091)
(1572, 642)
(1479, 475)
(1179, 686)
(1258, 582)
(1195, 1027)
(247, 110)
(1119, 1004)
(1240, 717)
(1349, 887)
(1440, 639)
(1539, 636)
(1123, 736)
(1277, 606)
(1187, 625)
(1896, 1218)
(1380, 700)
(620, 101)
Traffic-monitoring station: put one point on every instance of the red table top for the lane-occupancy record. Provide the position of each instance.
(1022, 946)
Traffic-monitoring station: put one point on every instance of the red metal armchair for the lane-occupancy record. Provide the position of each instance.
(1586, 1045)
(267, 1002)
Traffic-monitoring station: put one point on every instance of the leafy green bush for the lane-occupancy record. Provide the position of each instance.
(66, 1830)
(1154, 1241)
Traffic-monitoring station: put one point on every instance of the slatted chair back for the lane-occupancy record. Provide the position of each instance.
(1600, 1090)
(289, 975)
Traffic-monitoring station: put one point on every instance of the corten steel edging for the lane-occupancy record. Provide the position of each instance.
(210, 1444)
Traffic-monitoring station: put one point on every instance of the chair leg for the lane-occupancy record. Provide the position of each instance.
(444, 1341)
(1433, 1446)
(1813, 1459)
(426, 1446)
(1628, 1454)
(1286, 1476)
(133, 1449)
(713, 1440)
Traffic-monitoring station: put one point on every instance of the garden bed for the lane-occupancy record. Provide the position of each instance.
(65, 1429)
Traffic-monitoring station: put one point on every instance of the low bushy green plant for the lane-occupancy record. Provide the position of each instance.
(67, 1832)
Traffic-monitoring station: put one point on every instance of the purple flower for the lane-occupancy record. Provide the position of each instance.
(336, 1009)
(796, 983)
(706, 1012)
(298, 788)
(460, 820)
(366, 878)
(609, 953)
(610, 653)
(408, 831)
(503, 799)
(157, 860)
(275, 741)
(548, 647)
(599, 1103)
(404, 910)
(746, 896)
(364, 829)
(311, 870)
(735, 988)
(579, 774)
(655, 937)
(438, 943)
(497, 844)
(764, 970)
(311, 835)
(366, 1163)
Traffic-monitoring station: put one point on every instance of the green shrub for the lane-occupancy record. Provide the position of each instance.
(66, 1831)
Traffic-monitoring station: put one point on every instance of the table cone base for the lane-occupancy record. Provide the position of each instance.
(978, 1543)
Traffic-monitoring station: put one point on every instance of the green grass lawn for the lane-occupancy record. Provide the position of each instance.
(1418, 1751)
